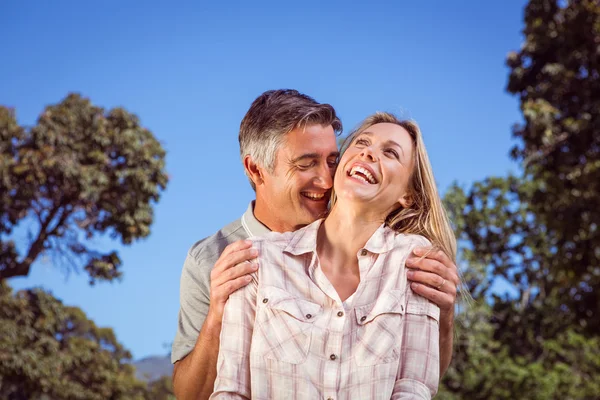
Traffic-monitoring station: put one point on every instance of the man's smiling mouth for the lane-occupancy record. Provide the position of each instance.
(313, 196)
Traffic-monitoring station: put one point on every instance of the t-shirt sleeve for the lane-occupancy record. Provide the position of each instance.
(194, 301)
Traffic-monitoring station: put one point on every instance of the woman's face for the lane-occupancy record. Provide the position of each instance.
(376, 168)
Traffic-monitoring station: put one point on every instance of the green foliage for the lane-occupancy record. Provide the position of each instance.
(556, 76)
(526, 341)
(47, 348)
(538, 233)
(80, 171)
(161, 389)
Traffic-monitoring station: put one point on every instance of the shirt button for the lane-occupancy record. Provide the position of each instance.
(340, 314)
(332, 357)
(363, 252)
(308, 316)
(265, 301)
(363, 318)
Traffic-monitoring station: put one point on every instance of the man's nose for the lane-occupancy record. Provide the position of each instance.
(324, 179)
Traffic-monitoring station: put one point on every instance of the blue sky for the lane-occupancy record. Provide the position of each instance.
(190, 73)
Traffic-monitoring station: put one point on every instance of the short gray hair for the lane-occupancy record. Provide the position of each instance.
(272, 116)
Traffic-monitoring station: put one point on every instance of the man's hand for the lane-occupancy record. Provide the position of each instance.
(194, 376)
(435, 277)
(231, 272)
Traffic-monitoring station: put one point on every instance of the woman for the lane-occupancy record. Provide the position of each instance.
(329, 313)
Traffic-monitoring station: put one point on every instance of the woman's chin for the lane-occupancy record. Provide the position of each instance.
(355, 196)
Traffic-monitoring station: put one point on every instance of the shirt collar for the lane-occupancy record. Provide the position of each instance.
(305, 240)
(253, 226)
(381, 241)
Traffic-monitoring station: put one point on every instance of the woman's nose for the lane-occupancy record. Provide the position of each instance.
(368, 154)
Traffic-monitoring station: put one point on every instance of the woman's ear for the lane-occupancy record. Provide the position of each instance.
(406, 200)
(253, 170)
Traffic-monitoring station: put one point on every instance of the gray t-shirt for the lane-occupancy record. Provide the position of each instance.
(194, 291)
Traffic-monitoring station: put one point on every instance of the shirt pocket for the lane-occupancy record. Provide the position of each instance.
(284, 325)
(379, 329)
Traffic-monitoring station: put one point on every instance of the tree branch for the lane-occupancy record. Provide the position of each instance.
(37, 247)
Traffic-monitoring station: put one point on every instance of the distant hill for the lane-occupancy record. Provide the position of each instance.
(152, 368)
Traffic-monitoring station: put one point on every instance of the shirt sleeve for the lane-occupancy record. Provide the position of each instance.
(194, 301)
(419, 369)
(233, 365)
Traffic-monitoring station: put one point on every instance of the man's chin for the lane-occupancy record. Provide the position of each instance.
(316, 211)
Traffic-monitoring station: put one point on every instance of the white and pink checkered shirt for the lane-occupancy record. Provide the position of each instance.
(287, 335)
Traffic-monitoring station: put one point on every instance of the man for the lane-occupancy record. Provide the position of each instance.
(289, 152)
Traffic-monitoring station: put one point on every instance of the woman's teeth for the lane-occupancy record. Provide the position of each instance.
(362, 173)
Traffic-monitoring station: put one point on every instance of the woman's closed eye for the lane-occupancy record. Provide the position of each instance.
(392, 153)
(361, 142)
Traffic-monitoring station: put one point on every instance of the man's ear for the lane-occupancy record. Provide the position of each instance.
(253, 170)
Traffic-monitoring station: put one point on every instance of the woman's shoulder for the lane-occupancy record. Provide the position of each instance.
(404, 240)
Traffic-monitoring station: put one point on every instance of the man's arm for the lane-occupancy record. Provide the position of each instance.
(436, 278)
(194, 375)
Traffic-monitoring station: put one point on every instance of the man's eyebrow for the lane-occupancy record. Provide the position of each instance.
(313, 156)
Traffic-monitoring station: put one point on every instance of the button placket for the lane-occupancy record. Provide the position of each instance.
(333, 348)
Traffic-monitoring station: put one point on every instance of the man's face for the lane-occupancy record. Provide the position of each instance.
(297, 191)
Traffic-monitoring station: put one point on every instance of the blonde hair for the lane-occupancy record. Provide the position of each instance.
(426, 214)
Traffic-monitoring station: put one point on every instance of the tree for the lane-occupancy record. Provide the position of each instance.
(538, 233)
(523, 341)
(161, 389)
(49, 350)
(79, 172)
(556, 77)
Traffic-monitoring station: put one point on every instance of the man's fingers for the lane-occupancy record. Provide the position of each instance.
(236, 246)
(231, 286)
(232, 259)
(427, 264)
(435, 281)
(443, 300)
(437, 255)
(241, 269)
(434, 266)
(240, 256)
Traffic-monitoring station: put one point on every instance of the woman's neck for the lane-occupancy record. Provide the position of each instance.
(343, 233)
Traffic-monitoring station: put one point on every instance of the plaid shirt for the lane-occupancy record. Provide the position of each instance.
(287, 335)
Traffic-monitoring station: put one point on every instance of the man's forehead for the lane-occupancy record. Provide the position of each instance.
(315, 141)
